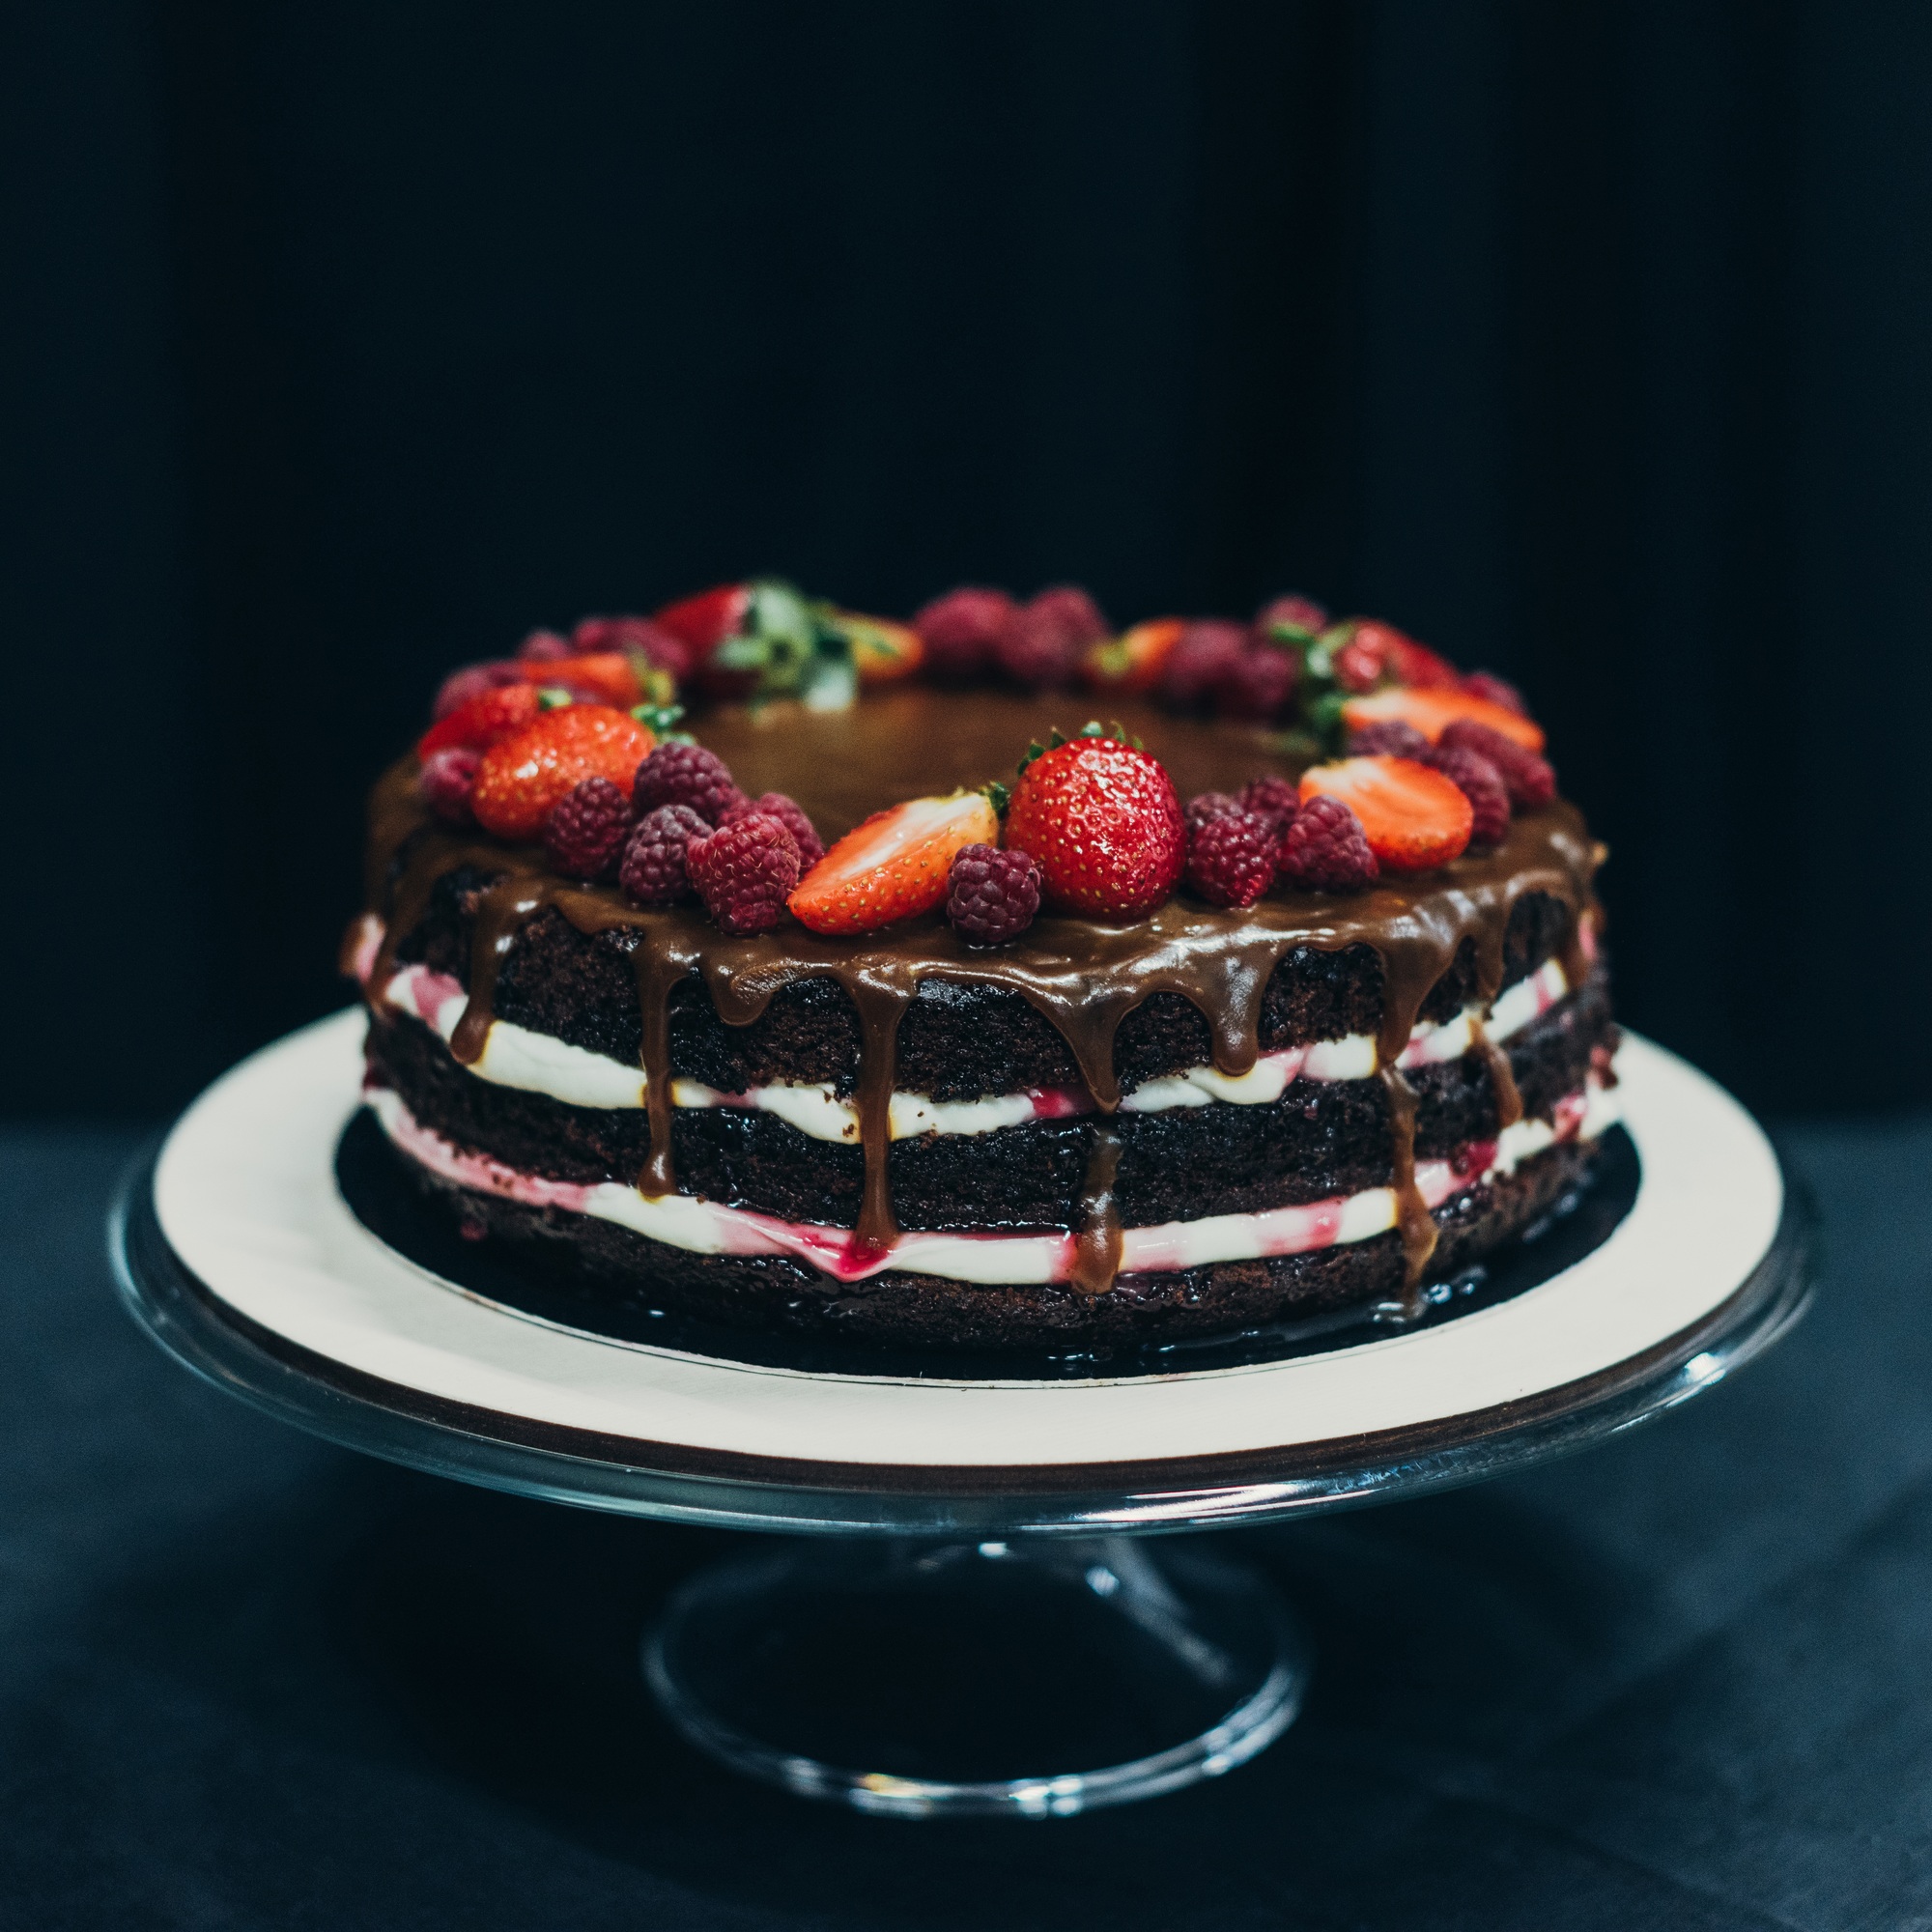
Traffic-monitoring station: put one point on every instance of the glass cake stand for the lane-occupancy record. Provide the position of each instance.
(946, 1635)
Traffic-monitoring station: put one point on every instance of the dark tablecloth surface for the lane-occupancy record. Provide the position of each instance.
(250, 1680)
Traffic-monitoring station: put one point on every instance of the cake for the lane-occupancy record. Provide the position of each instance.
(1277, 991)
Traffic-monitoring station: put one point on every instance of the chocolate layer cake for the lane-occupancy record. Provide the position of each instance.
(1103, 1131)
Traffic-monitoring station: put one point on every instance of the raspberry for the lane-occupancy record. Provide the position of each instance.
(1390, 739)
(652, 870)
(686, 775)
(544, 647)
(1071, 612)
(1256, 684)
(993, 895)
(1278, 799)
(791, 816)
(472, 681)
(1486, 684)
(1231, 859)
(1035, 653)
(1530, 781)
(1206, 653)
(1480, 783)
(1326, 850)
(661, 647)
(448, 779)
(962, 630)
(586, 828)
(1298, 613)
(1042, 646)
(1207, 804)
(744, 871)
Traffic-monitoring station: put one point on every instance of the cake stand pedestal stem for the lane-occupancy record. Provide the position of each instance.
(1032, 1678)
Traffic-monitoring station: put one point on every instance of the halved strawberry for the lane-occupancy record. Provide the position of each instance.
(526, 775)
(1134, 660)
(608, 677)
(1433, 711)
(483, 721)
(880, 650)
(896, 864)
(1415, 818)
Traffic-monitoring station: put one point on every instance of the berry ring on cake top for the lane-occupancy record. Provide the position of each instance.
(994, 979)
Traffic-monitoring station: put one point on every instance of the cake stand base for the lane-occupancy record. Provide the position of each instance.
(924, 1679)
(981, 1619)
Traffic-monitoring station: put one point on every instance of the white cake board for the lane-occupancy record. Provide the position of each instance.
(236, 1249)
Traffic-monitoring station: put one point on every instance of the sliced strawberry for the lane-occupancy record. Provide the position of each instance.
(1135, 660)
(526, 775)
(1415, 818)
(880, 650)
(483, 721)
(1431, 711)
(898, 863)
(608, 677)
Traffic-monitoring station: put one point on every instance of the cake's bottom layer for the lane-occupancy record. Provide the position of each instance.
(774, 1292)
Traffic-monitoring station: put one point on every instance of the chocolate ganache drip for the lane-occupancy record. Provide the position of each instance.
(1084, 976)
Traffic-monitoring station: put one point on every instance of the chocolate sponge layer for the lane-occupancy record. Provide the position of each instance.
(954, 1042)
(609, 1266)
(1321, 1139)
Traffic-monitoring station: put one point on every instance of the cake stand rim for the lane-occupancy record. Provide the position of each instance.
(735, 1489)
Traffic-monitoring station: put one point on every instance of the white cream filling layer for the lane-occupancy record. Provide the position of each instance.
(705, 1227)
(538, 1062)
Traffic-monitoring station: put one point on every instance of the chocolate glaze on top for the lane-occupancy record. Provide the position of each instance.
(1082, 975)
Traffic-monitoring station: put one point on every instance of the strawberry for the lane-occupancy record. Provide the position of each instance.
(761, 640)
(525, 776)
(1134, 660)
(1415, 818)
(482, 720)
(1102, 819)
(703, 622)
(604, 678)
(1431, 710)
(898, 863)
(1359, 663)
(1408, 662)
(880, 650)
(713, 622)
(1365, 652)
(472, 681)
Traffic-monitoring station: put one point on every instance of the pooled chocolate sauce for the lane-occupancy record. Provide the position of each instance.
(1082, 975)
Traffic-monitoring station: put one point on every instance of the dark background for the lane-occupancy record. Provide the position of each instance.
(347, 341)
